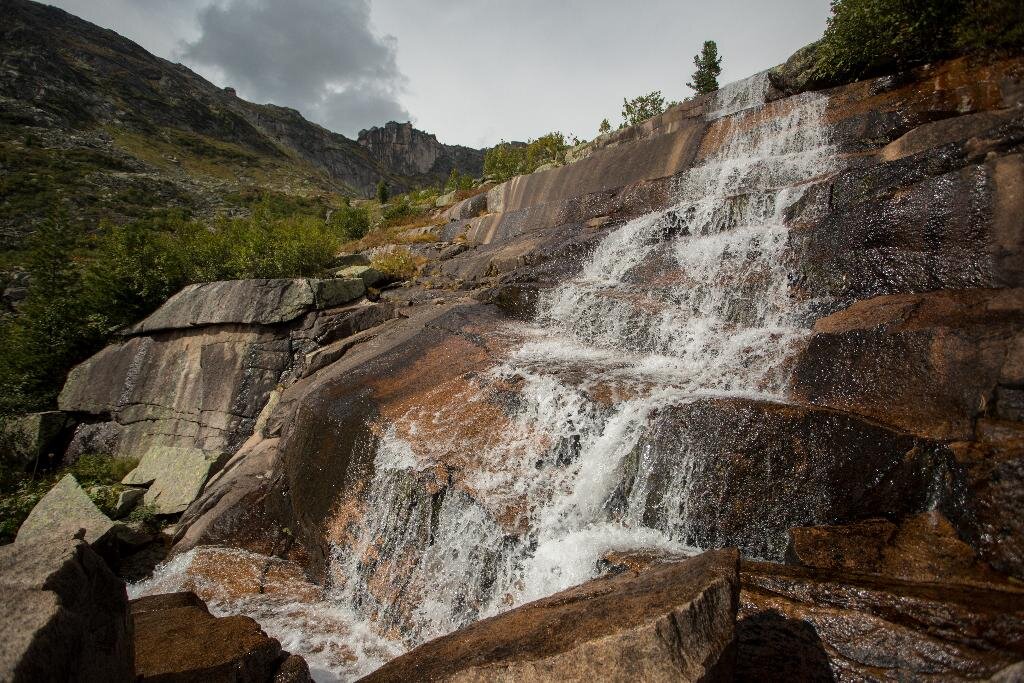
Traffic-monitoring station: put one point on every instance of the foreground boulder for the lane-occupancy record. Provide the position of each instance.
(822, 625)
(178, 640)
(672, 622)
(64, 615)
(61, 513)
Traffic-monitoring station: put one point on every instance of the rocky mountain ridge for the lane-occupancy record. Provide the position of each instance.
(126, 121)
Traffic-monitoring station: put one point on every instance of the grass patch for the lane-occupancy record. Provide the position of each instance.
(398, 264)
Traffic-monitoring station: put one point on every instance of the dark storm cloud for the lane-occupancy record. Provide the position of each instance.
(320, 56)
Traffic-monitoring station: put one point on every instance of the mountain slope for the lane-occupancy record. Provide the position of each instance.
(91, 119)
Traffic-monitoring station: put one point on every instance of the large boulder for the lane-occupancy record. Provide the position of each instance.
(62, 513)
(246, 302)
(175, 476)
(671, 622)
(28, 439)
(819, 625)
(64, 615)
(178, 640)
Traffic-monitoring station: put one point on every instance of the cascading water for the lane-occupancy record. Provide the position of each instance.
(553, 471)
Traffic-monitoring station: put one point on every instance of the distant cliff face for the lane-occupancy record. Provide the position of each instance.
(70, 90)
(412, 152)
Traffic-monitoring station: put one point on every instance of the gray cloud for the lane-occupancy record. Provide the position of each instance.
(320, 56)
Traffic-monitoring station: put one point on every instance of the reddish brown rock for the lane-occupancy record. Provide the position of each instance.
(923, 548)
(669, 622)
(177, 640)
(927, 363)
(816, 625)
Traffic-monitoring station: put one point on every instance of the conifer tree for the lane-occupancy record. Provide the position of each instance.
(382, 192)
(604, 128)
(709, 66)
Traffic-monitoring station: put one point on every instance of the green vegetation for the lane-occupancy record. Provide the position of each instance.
(84, 287)
(605, 127)
(99, 475)
(867, 37)
(458, 181)
(639, 109)
(382, 192)
(397, 264)
(507, 160)
(708, 68)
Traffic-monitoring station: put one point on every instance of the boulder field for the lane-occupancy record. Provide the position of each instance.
(872, 481)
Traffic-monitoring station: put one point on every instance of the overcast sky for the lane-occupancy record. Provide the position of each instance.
(472, 71)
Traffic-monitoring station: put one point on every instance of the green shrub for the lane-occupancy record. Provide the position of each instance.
(508, 159)
(81, 290)
(989, 25)
(382, 192)
(639, 109)
(350, 222)
(868, 37)
(458, 181)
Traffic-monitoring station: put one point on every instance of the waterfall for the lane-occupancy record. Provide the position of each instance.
(516, 483)
(690, 301)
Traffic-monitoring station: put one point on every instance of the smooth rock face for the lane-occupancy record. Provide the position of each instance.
(175, 476)
(928, 363)
(61, 513)
(369, 276)
(794, 465)
(814, 625)
(64, 615)
(923, 548)
(177, 639)
(671, 622)
(248, 302)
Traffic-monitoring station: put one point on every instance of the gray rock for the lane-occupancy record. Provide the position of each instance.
(62, 513)
(338, 291)
(445, 200)
(260, 302)
(64, 615)
(31, 436)
(92, 438)
(368, 274)
(346, 260)
(127, 501)
(175, 475)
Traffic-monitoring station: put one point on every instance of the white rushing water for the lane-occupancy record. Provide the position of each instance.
(690, 301)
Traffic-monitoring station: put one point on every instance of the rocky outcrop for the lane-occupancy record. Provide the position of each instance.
(198, 371)
(64, 614)
(667, 623)
(186, 386)
(177, 639)
(410, 152)
(62, 513)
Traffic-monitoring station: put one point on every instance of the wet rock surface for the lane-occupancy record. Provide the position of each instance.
(64, 614)
(834, 625)
(670, 622)
(881, 455)
(177, 639)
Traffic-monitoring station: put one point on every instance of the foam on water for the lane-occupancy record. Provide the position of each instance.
(690, 301)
